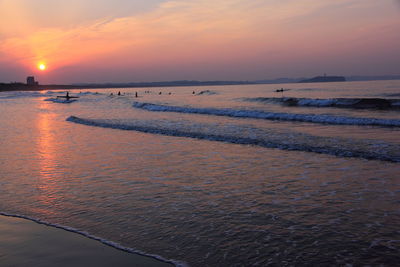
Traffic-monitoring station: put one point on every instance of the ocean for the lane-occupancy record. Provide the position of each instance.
(244, 175)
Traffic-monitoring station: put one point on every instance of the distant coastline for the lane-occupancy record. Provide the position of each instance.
(324, 79)
(24, 87)
(39, 87)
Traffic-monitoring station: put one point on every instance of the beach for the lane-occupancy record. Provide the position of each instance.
(27, 243)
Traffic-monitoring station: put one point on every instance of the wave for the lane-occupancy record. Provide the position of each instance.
(206, 92)
(357, 103)
(96, 238)
(257, 114)
(60, 100)
(23, 94)
(36, 94)
(247, 135)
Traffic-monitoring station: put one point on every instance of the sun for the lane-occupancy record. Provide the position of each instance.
(42, 66)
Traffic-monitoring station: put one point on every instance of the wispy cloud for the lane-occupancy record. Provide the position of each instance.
(193, 31)
(174, 23)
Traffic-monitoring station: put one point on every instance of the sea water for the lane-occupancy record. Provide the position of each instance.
(213, 176)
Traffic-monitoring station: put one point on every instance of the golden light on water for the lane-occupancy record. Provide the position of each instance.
(49, 178)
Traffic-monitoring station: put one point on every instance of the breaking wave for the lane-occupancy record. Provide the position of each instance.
(37, 94)
(206, 92)
(60, 100)
(248, 135)
(358, 103)
(23, 94)
(257, 114)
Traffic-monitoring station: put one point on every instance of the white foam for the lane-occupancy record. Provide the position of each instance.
(315, 102)
(59, 100)
(207, 92)
(237, 135)
(256, 114)
(364, 103)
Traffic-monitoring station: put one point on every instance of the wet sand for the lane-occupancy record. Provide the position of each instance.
(26, 243)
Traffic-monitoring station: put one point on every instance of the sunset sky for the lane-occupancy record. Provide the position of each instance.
(161, 40)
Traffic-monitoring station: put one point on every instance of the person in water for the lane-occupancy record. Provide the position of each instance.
(119, 92)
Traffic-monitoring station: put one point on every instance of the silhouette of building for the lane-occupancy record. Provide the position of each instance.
(30, 80)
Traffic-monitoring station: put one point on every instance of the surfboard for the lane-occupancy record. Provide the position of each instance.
(63, 96)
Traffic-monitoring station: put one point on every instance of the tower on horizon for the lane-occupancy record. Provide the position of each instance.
(30, 80)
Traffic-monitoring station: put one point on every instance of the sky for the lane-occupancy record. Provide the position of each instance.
(162, 40)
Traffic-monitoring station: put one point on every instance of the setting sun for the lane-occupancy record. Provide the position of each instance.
(42, 66)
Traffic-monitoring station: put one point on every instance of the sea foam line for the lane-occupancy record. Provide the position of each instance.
(267, 142)
(96, 238)
(357, 103)
(58, 100)
(257, 114)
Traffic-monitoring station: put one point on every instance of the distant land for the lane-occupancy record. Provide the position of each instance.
(324, 79)
(15, 86)
(348, 78)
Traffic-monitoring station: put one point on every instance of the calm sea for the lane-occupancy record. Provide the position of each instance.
(213, 176)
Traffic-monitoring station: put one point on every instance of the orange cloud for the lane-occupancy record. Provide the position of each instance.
(174, 28)
(184, 31)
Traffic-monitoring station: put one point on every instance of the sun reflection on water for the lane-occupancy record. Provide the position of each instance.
(49, 171)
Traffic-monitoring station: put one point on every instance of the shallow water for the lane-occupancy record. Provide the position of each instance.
(211, 190)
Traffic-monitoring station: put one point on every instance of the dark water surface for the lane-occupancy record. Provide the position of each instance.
(192, 190)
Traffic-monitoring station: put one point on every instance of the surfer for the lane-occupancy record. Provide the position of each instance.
(67, 97)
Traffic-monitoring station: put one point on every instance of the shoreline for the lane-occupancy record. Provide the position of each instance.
(26, 242)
